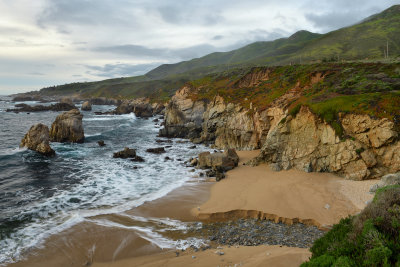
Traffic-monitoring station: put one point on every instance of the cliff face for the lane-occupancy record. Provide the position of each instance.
(302, 141)
(225, 125)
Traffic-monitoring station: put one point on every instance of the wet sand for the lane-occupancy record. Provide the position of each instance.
(287, 196)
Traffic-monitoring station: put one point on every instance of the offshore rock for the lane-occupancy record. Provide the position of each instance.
(38, 108)
(125, 154)
(86, 106)
(68, 127)
(37, 139)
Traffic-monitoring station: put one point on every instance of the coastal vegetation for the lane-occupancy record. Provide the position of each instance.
(368, 239)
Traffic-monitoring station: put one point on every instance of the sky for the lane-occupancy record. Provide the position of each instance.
(51, 42)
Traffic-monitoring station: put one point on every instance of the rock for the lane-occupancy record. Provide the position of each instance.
(86, 106)
(67, 100)
(192, 147)
(101, 143)
(126, 153)
(156, 120)
(219, 176)
(193, 162)
(275, 167)
(389, 179)
(40, 108)
(327, 206)
(167, 158)
(124, 108)
(226, 160)
(37, 139)
(157, 150)
(68, 127)
(137, 159)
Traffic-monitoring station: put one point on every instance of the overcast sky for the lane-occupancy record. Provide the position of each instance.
(50, 42)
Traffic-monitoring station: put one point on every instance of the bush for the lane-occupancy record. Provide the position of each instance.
(371, 238)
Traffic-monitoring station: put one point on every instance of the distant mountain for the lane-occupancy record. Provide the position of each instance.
(365, 40)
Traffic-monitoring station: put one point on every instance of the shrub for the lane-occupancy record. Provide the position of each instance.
(371, 238)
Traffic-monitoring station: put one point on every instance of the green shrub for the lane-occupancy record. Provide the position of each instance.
(371, 238)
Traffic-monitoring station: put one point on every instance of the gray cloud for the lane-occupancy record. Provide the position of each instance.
(139, 51)
(120, 69)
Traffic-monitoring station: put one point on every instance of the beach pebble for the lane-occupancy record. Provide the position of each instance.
(327, 206)
(193, 257)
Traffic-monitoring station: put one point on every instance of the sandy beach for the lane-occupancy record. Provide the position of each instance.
(319, 199)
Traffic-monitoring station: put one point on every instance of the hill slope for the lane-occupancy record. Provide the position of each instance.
(366, 40)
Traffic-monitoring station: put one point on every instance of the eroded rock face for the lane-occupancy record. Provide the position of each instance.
(86, 106)
(371, 148)
(308, 143)
(37, 139)
(68, 127)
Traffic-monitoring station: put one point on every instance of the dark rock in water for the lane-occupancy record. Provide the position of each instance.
(86, 106)
(137, 159)
(39, 108)
(192, 147)
(219, 176)
(37, 139)
(126, 153)
(74, 200)
(167, 158)
(163, 141)
(135, 168)
(157, 150)
(101, 143)
(201, 174)
(68, 127)
(156, 120)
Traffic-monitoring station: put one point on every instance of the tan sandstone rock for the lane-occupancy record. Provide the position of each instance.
(86, 106)
(37, 139)
(68, 127)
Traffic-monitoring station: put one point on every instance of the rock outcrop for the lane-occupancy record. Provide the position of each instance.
(226, 160)
(86, 106)
(68, 127)
(369, 148)
(125, 154)
(141, 107)
(39, 108)
(37, 139)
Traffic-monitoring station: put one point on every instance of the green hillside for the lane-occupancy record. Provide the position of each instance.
(365, 41)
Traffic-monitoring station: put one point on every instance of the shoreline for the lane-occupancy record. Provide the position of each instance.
(97, 245)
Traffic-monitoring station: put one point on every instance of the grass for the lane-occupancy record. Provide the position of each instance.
(368, 239)
(327, 89)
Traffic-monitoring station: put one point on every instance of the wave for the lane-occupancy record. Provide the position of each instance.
(130, 116)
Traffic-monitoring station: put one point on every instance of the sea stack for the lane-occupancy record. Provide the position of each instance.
(37, 139)
(68, 127)
(86, 106)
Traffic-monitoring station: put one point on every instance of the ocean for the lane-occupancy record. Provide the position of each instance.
(41, 196)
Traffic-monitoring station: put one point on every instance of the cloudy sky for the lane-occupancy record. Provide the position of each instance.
(50, 42)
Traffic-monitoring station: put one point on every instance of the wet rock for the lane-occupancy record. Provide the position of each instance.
(37, 139)
(192, 147)
(163, 141)
(101, 143)
(157, 150)
(126, 153)
(86, 106)
(40, 108)
(137, 159)
(68, 127)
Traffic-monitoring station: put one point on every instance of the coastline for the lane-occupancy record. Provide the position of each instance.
(304, 198)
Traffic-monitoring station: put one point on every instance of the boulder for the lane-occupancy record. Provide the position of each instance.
(67, 100)
(86, 106)
(124, 108)
(126, 153)
(37, 139)
(157, 150)
(226, 160)
(389, 179)
(68, 127)
(101, 143)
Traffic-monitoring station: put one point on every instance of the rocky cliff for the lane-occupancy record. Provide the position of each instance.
(365, 147)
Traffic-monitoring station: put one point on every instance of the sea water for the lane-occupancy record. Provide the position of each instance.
(41, 196)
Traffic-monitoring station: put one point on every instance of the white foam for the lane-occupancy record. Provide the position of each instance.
(12, 151)
(130, 116)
